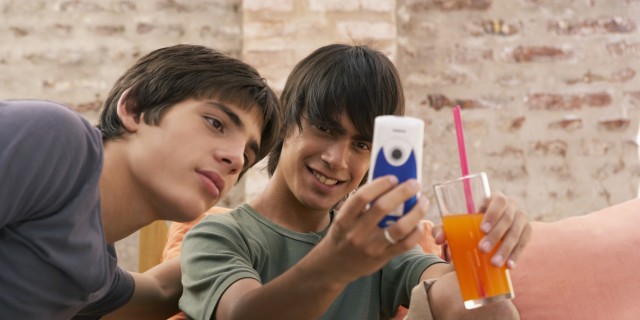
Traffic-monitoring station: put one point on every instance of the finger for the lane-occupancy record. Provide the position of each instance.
(512, 240)
(505, 209)
(438, 234)
(357, 202)
(407, 223)
(389, 201)
(409, 241)
(494, 208)
(513, 258)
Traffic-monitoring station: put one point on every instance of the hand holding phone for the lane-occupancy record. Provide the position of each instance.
(397, 149)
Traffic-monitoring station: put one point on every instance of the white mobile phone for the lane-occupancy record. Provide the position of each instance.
(397, 149)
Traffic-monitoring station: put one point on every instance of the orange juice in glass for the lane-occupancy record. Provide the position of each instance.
(480, 281)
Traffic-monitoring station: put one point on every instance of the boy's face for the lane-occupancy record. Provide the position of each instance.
(193, 156)
(322, 166)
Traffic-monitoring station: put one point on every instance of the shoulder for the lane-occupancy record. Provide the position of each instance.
(41, 112)
(40, 122)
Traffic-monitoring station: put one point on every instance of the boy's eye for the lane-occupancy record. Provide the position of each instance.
(324, 129)
(216, 123)
(363, 146)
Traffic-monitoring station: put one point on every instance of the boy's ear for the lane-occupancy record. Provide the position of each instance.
(130, 119)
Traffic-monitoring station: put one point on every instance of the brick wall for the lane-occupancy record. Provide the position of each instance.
(549, 88)
(549, 91)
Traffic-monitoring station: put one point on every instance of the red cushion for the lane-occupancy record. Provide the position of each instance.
(585, 267)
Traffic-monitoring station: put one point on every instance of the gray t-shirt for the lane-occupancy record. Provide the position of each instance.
(223, 248)
(53, 255)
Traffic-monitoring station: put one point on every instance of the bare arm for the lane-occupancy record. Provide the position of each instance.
(156, 295)
(354, 246)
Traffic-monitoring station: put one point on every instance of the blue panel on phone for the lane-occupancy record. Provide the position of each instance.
(404, 171)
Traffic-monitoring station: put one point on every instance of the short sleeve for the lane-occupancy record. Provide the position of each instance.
(400, 275)
(120, 292)
(214, 256)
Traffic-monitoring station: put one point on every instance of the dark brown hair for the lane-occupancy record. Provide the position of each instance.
(335, 79)
(170, 75)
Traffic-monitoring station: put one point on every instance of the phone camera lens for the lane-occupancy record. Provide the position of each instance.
(396, 154)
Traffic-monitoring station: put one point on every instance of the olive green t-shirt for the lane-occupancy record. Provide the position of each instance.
(223, 248)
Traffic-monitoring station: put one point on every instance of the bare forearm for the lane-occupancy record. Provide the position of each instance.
(445, 299)
(299, 293)
(156, 295)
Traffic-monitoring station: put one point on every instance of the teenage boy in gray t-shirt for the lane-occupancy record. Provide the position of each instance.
(287, 255)
(176, 132)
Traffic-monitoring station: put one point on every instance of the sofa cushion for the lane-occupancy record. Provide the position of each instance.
(585, 267)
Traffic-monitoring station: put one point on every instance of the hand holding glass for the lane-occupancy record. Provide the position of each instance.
(460, 202)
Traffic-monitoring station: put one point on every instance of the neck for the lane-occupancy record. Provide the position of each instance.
(123, 210)
(278, 204)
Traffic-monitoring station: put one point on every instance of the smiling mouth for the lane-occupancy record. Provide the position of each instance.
(324, 179)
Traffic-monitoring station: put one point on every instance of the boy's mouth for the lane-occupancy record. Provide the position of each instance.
(324, 179)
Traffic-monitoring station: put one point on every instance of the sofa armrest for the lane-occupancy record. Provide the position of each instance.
(584, 267)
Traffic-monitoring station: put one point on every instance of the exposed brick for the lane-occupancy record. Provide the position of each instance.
(507, 151)
(560, 171)
(601, 99)
(633, 97)
(334, 5)
(439, 101)
(595, 147)
(608, 169)
(86, 106)
(615, 124)
(143, 27)
(558, 196)
(541, 101)
(538, 53)
(622, 75)
(590, 26)
(567, 124)
(565, 102)
(268, 5)
(516, 124)
(78, 5)
(493, 27)
(470, 56)
(447, 5)
(19, 32)
(125, 6)
(172, 5)
(62, 29)
(108, 30)
(550, 147)
(622, 49)
(510, 172)
(378, 5)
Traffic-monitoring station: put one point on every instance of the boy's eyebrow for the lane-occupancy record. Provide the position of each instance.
(232, 115)
(253, 144)
(362, 137)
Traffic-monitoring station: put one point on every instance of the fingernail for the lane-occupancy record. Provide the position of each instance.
(497, 260)
(511, 264)
(485, 227)
(393, 179)
(485, 245)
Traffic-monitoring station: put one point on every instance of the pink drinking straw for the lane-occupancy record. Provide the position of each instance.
(464, 164)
